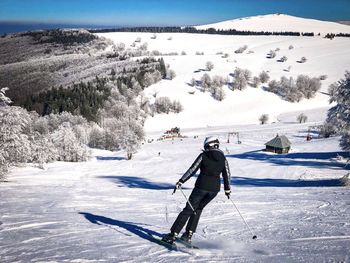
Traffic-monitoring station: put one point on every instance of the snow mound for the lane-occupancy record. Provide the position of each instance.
(280, 22)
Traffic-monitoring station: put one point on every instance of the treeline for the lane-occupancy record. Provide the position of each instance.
(61, 36)
(331, 35)
(199, 31)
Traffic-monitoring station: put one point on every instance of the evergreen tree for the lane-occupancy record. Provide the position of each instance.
(163, 70)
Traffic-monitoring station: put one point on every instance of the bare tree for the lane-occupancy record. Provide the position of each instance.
(302, 118)
(264, 118)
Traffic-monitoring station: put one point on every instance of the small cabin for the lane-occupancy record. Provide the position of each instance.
(279, 144)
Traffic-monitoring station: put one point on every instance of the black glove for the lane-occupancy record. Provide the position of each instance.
(227, 193)
(177, 186)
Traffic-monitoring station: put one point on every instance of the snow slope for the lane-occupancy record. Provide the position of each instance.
(324, 57)
(280, 23)
(101, 210)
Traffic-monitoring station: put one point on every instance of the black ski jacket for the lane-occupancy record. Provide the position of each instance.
(212, 163)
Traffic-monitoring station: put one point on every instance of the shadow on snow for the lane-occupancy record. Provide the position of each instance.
(137, 229)
(275, 182)
(137, 182)
(311, 159)
(110, 158)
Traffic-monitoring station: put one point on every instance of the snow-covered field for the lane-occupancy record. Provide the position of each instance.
(101, 210)
(324, 57)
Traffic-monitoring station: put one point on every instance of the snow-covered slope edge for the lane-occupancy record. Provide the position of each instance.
(280, 22)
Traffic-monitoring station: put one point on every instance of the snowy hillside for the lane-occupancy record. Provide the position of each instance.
(102, 210)
(324, 57)
(105, 209)
(280, 23)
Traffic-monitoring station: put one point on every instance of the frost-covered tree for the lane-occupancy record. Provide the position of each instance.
(283, 59)
(209, 65)
(218, 81)
(264, 118)
(3, 99)
(206, 82)
(308, 86)
(171, 74)
(271, 54)
(339, 115)
(256, 82)
(241, 78)
(68, 147)
(162, 105)
(15, 144)
(327, 129)
(264, 77)
(130, 137)
(302, 118)
(43, 150)
(176, 106)
(14, 134)
(157, 76)
(288, 90)
(148, 79)
(241, 49)
(218, 93)
(97, 137)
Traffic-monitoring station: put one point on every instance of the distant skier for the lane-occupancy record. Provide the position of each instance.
(212, 163)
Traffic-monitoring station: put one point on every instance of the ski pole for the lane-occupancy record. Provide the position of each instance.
(254, 236)
(188, 201)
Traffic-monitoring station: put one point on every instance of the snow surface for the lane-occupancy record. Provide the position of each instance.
(101, 210)
(280, 23)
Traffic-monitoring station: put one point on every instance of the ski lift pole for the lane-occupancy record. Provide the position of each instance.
(188, 201)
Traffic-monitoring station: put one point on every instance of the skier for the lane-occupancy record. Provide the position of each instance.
(212, 163)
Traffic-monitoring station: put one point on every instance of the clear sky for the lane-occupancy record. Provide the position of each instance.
(164, 12)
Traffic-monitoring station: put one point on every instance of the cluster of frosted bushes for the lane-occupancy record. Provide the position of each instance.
(165, 105)
(27, 138)
(295, 90)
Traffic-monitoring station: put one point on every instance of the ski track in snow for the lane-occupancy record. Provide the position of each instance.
(101, 210)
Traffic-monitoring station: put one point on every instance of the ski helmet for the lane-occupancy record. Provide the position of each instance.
(211, 141)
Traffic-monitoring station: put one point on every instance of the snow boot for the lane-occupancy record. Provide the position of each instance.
(187, 236)
(170, 238)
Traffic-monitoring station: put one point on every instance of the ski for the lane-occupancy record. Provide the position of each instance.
(163, 243)
(186, 244)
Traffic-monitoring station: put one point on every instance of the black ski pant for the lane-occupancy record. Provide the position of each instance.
(199, 199)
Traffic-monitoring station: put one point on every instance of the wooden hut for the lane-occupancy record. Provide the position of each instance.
(279, 144)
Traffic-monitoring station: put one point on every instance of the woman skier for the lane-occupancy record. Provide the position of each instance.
(212, 163)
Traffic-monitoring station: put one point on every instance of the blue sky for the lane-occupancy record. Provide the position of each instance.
(164, 12)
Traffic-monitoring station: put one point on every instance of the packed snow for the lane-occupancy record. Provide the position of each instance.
(102, 210)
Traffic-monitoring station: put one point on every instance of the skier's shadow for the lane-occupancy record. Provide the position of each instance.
(133, 228)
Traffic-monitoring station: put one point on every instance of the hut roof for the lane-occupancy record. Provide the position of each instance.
(280, 142)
